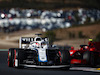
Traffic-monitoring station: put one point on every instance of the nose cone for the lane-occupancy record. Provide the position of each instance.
(72, 52)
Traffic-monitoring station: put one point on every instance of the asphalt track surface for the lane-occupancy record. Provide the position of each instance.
(5, 70)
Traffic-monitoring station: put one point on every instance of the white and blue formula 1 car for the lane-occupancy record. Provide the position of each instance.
(36, 52)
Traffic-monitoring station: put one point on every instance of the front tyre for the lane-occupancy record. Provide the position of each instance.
(18, 58)
(10, 57)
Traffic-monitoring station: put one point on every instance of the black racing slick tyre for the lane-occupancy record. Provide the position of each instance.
(65, 58)
(10, 57)
(90, 58)
(18, 58)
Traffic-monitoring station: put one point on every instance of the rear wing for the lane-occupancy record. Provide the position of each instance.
(97, 45)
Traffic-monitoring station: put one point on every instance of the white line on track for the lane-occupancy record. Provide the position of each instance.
(85, 69)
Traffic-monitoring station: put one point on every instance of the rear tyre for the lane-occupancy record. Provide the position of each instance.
(65, 58)
(10, 57)
(90, 58)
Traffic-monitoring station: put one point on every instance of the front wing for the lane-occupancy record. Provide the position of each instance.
(38, 66)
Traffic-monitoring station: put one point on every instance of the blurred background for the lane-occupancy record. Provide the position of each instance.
(65, 22)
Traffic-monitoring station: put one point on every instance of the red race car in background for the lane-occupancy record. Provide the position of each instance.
(87, 54)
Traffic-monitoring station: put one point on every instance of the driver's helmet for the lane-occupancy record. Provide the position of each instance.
(91, 40)
(91, 44)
